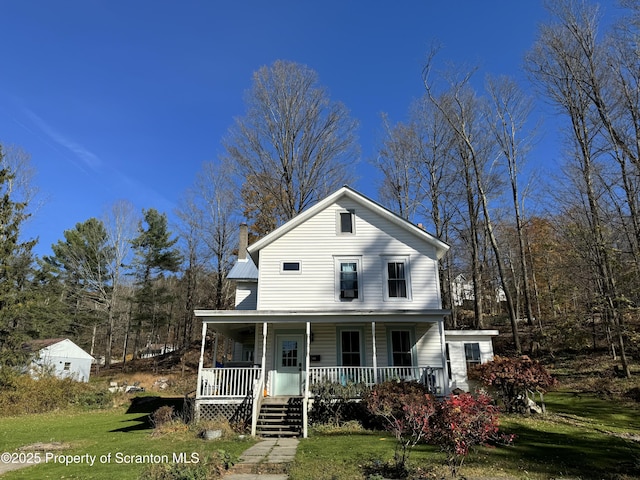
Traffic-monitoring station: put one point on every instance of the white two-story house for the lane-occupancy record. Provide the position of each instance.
(346, 291)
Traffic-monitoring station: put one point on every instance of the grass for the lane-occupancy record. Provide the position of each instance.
(583, 437)
(100, 433)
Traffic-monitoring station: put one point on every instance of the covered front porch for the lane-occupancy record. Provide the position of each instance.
(285, 354)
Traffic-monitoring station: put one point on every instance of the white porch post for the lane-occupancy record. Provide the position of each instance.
(305, 400)
(375, 353)
(201, 361)
(264, 354)
(200, 365)
(259, 395)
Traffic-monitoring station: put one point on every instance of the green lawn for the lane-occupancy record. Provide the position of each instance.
(102, 433)
(582, 437)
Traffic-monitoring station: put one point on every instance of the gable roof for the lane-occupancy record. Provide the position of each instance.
(348, 192)
(39, 344)
(56, 346)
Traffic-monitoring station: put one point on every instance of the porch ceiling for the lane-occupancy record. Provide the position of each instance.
(368, 316)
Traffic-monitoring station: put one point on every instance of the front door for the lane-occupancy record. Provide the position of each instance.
(290, 358)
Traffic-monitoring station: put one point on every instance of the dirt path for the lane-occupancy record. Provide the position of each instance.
(27, 456)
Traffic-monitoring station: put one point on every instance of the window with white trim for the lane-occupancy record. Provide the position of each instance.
(346, 222)
(472, 355)
(348, 282)
(396, 274)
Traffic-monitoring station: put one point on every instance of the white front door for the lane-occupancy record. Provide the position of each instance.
(290, 359)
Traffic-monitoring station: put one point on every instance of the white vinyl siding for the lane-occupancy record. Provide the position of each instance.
(326, 340)
(246, 296)
(457, 355)
(315, 244)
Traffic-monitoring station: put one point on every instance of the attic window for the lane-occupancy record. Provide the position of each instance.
(67, 366)
(346, 223)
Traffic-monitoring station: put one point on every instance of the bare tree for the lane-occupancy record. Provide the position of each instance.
(418, 177)
(510, 111)
(567, 62)
(189, 226)
(219, 213)
(294, 145)
(22, 185)
(120, 222)
(462, 110)
(398, 160)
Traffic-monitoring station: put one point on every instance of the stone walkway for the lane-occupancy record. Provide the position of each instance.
(266, 460)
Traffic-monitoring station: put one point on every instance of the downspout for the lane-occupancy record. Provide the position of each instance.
(305, 399)
(375, 353)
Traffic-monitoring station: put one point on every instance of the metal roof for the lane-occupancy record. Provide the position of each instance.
(244, 270)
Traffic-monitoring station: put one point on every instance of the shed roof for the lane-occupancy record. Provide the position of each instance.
(245, 270)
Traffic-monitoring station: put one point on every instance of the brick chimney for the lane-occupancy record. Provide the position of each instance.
(243, 242)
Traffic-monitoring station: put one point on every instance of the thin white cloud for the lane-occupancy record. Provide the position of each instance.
(87, 157)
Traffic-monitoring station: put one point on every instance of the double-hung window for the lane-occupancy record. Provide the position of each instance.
(472, 355)
(348, 279)
(396, 272)
(350, 347)
(401, 346)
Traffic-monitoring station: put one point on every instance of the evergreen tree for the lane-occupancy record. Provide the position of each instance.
(154, 256)
(15, 270)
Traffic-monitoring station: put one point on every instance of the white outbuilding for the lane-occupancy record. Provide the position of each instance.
(464, 350)
(62, 358)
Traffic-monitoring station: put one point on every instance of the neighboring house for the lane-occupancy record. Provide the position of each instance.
(346, 291)
(156, 349)
(463, 296)
(61, 357)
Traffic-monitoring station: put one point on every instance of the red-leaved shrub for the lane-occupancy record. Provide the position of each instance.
(456, 423)
(513, 378)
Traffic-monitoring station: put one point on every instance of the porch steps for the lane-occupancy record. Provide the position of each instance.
(280, 417)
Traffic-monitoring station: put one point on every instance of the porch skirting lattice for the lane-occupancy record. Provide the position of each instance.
(235, 413)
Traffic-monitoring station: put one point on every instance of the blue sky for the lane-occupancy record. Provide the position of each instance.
(118, 99)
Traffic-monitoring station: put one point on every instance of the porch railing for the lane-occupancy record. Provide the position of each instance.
(228, 382)
(238, 382)
(432, 377)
